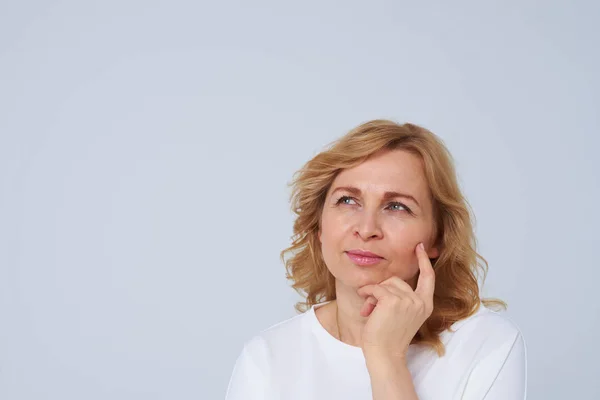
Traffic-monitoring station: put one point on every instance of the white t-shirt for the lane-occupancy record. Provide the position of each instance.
(298, 359)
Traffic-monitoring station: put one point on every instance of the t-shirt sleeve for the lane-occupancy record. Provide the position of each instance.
(501, 374)
(511, 381)
(248, 380)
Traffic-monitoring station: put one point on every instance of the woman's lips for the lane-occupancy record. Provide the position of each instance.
(363, 260)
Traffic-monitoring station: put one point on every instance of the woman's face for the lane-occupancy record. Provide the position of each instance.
(358, 214)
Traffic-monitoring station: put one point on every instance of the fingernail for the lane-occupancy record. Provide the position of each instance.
(421, 246)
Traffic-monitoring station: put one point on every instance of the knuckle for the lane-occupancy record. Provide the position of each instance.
(393, 281)
(396, 279)
(396, 301)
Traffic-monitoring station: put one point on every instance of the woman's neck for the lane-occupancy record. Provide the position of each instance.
(349, 322)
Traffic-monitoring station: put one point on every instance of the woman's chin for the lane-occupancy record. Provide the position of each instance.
(371, 277)
(365, 278)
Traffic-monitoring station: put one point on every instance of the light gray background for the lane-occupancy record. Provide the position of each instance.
(145, 149)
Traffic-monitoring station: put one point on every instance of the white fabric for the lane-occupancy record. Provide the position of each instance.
(298, 359)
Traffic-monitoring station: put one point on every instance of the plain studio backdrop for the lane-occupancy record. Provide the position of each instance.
(146, 147)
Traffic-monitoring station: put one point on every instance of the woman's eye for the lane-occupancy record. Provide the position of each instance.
(343, 199)
(401, 207)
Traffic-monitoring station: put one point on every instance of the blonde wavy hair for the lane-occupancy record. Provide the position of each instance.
(458, 266)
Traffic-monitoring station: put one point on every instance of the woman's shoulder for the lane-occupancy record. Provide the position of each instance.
(280, 334)
(484, 327)
(485, 318)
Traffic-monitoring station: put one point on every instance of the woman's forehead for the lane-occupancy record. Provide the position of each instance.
(398, 171)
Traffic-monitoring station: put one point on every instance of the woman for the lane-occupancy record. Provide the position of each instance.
(384, 253)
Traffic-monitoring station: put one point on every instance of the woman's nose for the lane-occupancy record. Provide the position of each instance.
(368, 227)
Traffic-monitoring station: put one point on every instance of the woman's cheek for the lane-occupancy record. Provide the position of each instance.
(405, 258)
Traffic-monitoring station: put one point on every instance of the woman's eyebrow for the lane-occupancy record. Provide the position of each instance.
(386, 195)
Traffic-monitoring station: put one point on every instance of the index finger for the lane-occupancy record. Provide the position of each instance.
(426, 282)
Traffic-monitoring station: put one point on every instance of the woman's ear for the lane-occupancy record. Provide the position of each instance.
(433, 252)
